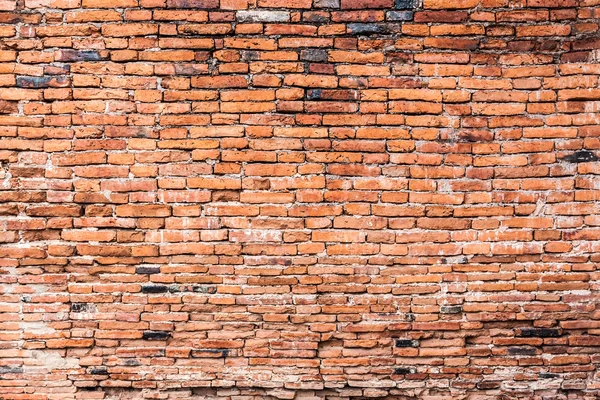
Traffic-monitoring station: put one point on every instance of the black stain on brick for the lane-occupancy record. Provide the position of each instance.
(367, 29)
(155, 289)
(581, 156)
(407, 343)
(314, 94)
(10, 370)
(488, 385)
(99, 371)
(451, 309)
(404, 4)
(316, 18)
(192, 3)
(543, 375)
(156, 335)
(204, 289)
(175, 289)
(38, 82)
(79, 55)
(82, 307)
(337, 95)
(250, 55)
(147, 270)
(522, 351)
(400, 15)
(539, 332)
(404, 371)
(219, 353)
(314, 55)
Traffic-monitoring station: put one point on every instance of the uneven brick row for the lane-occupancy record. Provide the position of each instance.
(299, 199)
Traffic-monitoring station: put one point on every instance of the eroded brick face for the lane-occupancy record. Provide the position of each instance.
(299, 199)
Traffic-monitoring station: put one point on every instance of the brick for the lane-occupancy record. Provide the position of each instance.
(451, 4)
(325, 199)
(68, 55)
(143, 211)
(262, 16)
(362, 4)
(192, 4)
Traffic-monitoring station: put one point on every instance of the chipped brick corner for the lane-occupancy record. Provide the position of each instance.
(299, 199)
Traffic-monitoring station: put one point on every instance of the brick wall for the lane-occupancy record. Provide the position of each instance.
(299, 199)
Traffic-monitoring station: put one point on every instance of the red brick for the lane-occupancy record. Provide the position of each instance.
(287, 199)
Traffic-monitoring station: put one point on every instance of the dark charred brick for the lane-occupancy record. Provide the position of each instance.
(204, 289)
(99, 371)
(316, 17)
(155, 289)
(358, 4)
(406, 343)
(193, 3)
(548, 376)
(457, 309)
(400, 15)
(37, 82)
(83, 307)
(404, 371)
(175, 289)
(539, 332)
(581, 156)
(487, 385)
(404, 4)
(337, 95)
(522, 351)
(147, 270)
(11, 370)
(156, 335)
(250, 55)
(314, 55)
(210, 353)
(367, 29)
(314, 94)
(70, 55)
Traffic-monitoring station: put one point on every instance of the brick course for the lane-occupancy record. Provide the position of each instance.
(299, 199)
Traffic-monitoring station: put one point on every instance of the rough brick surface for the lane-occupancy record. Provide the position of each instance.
(299, 199)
